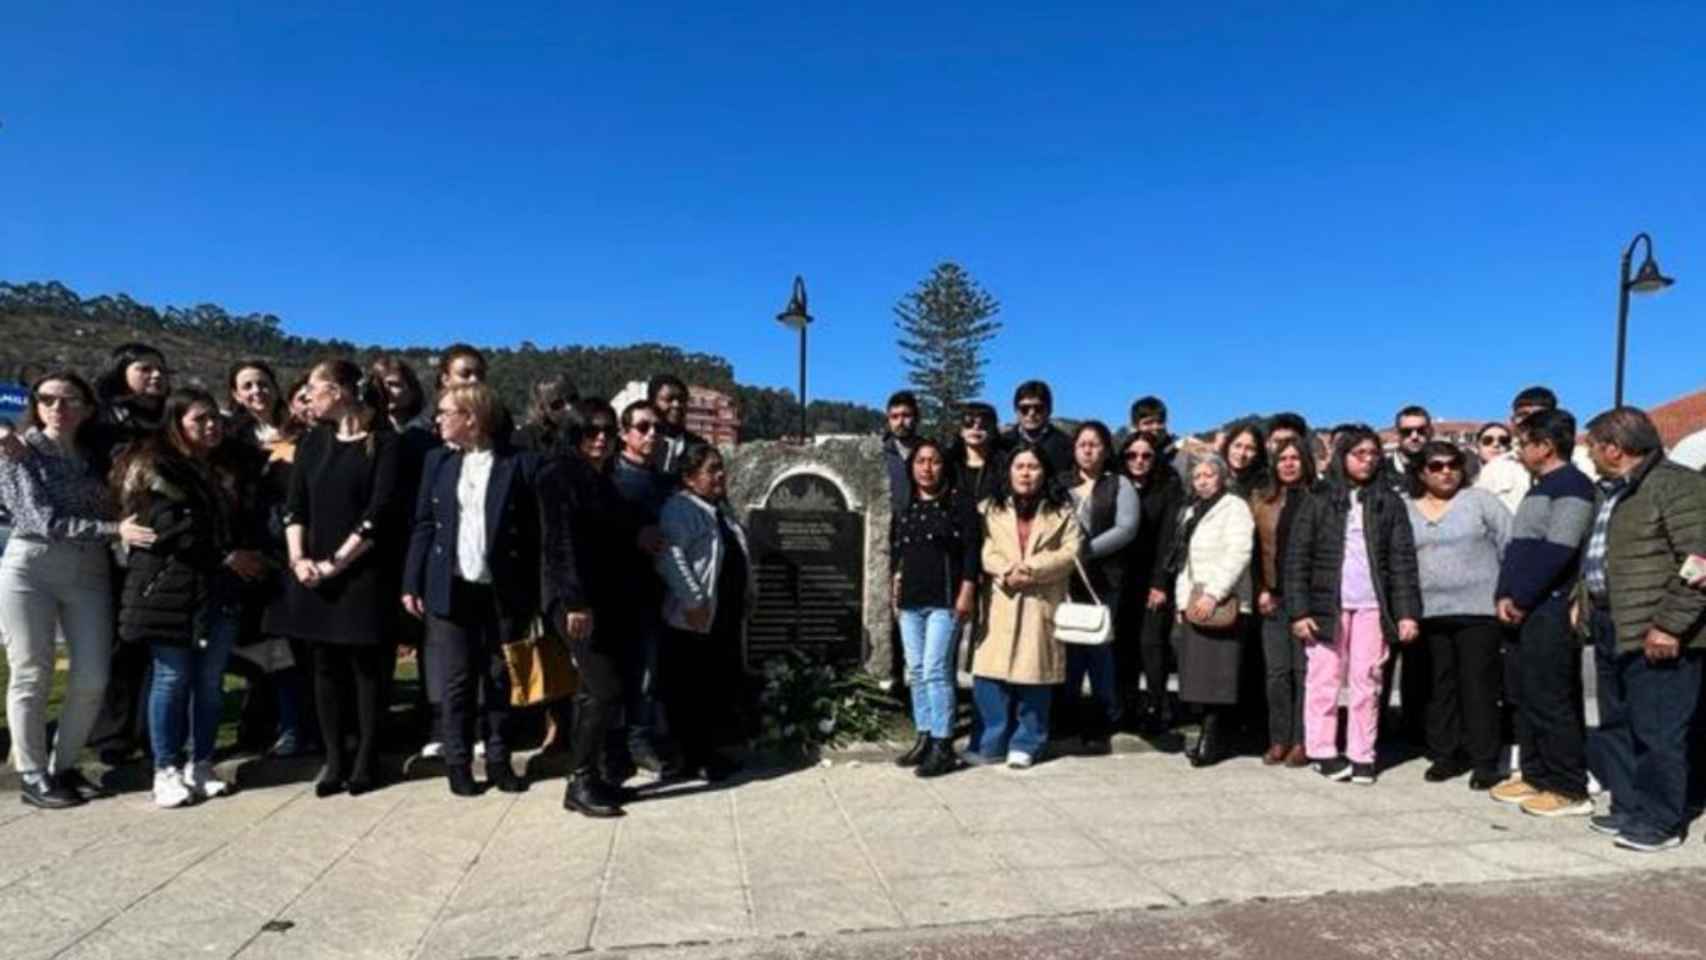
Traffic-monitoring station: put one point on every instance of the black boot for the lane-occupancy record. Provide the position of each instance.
(584, 797)
(461, 780)
(939, 758)
(501, 775)
(914, 756)
(1208, 750)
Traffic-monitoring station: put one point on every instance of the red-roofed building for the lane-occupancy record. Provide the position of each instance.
(1680, 417)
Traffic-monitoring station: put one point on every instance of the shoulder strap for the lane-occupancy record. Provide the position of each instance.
(1079, 563)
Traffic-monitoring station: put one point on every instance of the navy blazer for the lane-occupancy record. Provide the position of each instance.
(514, 521)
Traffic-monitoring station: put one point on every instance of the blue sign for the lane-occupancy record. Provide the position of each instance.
(13, 399)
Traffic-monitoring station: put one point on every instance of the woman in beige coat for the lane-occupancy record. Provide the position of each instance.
(1030, 540)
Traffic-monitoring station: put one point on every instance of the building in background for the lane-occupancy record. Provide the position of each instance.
(712, 414)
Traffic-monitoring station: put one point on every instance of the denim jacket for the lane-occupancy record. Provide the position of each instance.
(693, 560)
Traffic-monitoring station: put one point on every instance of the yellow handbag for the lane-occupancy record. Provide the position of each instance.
(540, 668)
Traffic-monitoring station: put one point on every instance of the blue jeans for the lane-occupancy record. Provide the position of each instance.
(188, 688)
(1010, 716)
(1098, 662)
(927, 637)
(1639, 751)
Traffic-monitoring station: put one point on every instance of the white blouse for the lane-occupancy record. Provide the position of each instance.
(471, 508)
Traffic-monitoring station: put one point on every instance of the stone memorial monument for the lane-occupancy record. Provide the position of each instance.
(817, 519)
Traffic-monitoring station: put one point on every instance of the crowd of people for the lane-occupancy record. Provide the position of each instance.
(305, 535)
(1279, 570)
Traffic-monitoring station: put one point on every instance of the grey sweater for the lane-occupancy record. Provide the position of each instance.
(1459, 554)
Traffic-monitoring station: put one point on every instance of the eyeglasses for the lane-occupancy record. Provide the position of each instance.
(1441, 466)
(1496, 440)
(643, 427)
(69, 401)
(1413, 431)
(1031, 408)
(1364, 454)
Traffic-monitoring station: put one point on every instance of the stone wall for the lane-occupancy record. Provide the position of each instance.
(856, 466)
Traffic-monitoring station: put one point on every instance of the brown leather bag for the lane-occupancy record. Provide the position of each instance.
(1223, 617)
(540, 668)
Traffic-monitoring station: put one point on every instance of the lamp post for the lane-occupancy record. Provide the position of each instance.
(1648, 279)
(795, 317)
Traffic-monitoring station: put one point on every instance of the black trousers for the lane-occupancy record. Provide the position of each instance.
(123, 721)
(1154, 649)
(347, 675)
(1286, 669)
(1414, 678)
(699, 679)
(466, 650)
(1552, 708)
(598, 703)
(1463, 711)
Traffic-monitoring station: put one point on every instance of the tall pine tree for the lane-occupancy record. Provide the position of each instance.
(943, 326)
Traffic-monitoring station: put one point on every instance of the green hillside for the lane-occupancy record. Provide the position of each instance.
(46, 325)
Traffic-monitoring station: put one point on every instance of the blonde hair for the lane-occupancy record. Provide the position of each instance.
(480, 402)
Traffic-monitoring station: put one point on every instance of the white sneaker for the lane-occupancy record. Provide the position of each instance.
(432, 751)
(201, 780)
(170, 790)
(1019, 760)
(480, 749)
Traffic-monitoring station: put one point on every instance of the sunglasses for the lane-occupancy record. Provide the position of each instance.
(1137, 456)
(58, 400)
(643, 427)
(1441, 466)
(975, 423)
(601, 430)
(1496, 440)
(1031, 408)
(1413, 431)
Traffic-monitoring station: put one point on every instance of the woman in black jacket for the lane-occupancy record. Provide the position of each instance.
(586, 526)
(1352, 589)
(345, 537)
(1145, 619)
(1106, 504)
(130, 393)
(182, 595)
(935, 550)
(473, 576)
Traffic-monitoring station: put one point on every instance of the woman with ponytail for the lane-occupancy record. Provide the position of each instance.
(345, 540)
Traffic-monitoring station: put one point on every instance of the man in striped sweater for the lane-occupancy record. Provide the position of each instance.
(1541, 565)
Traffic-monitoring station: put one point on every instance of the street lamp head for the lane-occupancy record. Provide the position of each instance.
(794, 316)
(1648, 279)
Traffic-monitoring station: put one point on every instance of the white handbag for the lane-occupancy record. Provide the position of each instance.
(1085, 624)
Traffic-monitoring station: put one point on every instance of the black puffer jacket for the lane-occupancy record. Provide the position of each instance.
(168, 586)
(1314, 559)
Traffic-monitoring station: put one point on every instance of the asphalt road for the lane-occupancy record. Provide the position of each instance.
(1640, 916)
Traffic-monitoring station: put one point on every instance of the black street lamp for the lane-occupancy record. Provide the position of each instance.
(1648, 279)
(795, 317)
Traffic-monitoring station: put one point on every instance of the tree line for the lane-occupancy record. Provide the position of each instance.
(222, 338)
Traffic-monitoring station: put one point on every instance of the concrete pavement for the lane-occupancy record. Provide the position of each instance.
(412, 872)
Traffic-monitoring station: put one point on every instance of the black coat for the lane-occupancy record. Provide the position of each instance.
(1158, 520)
(168, 587)
(1055, 445)
(1315, 557)
(514, 525)
(587, 527)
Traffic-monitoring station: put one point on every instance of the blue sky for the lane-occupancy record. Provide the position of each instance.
(1338, 207)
